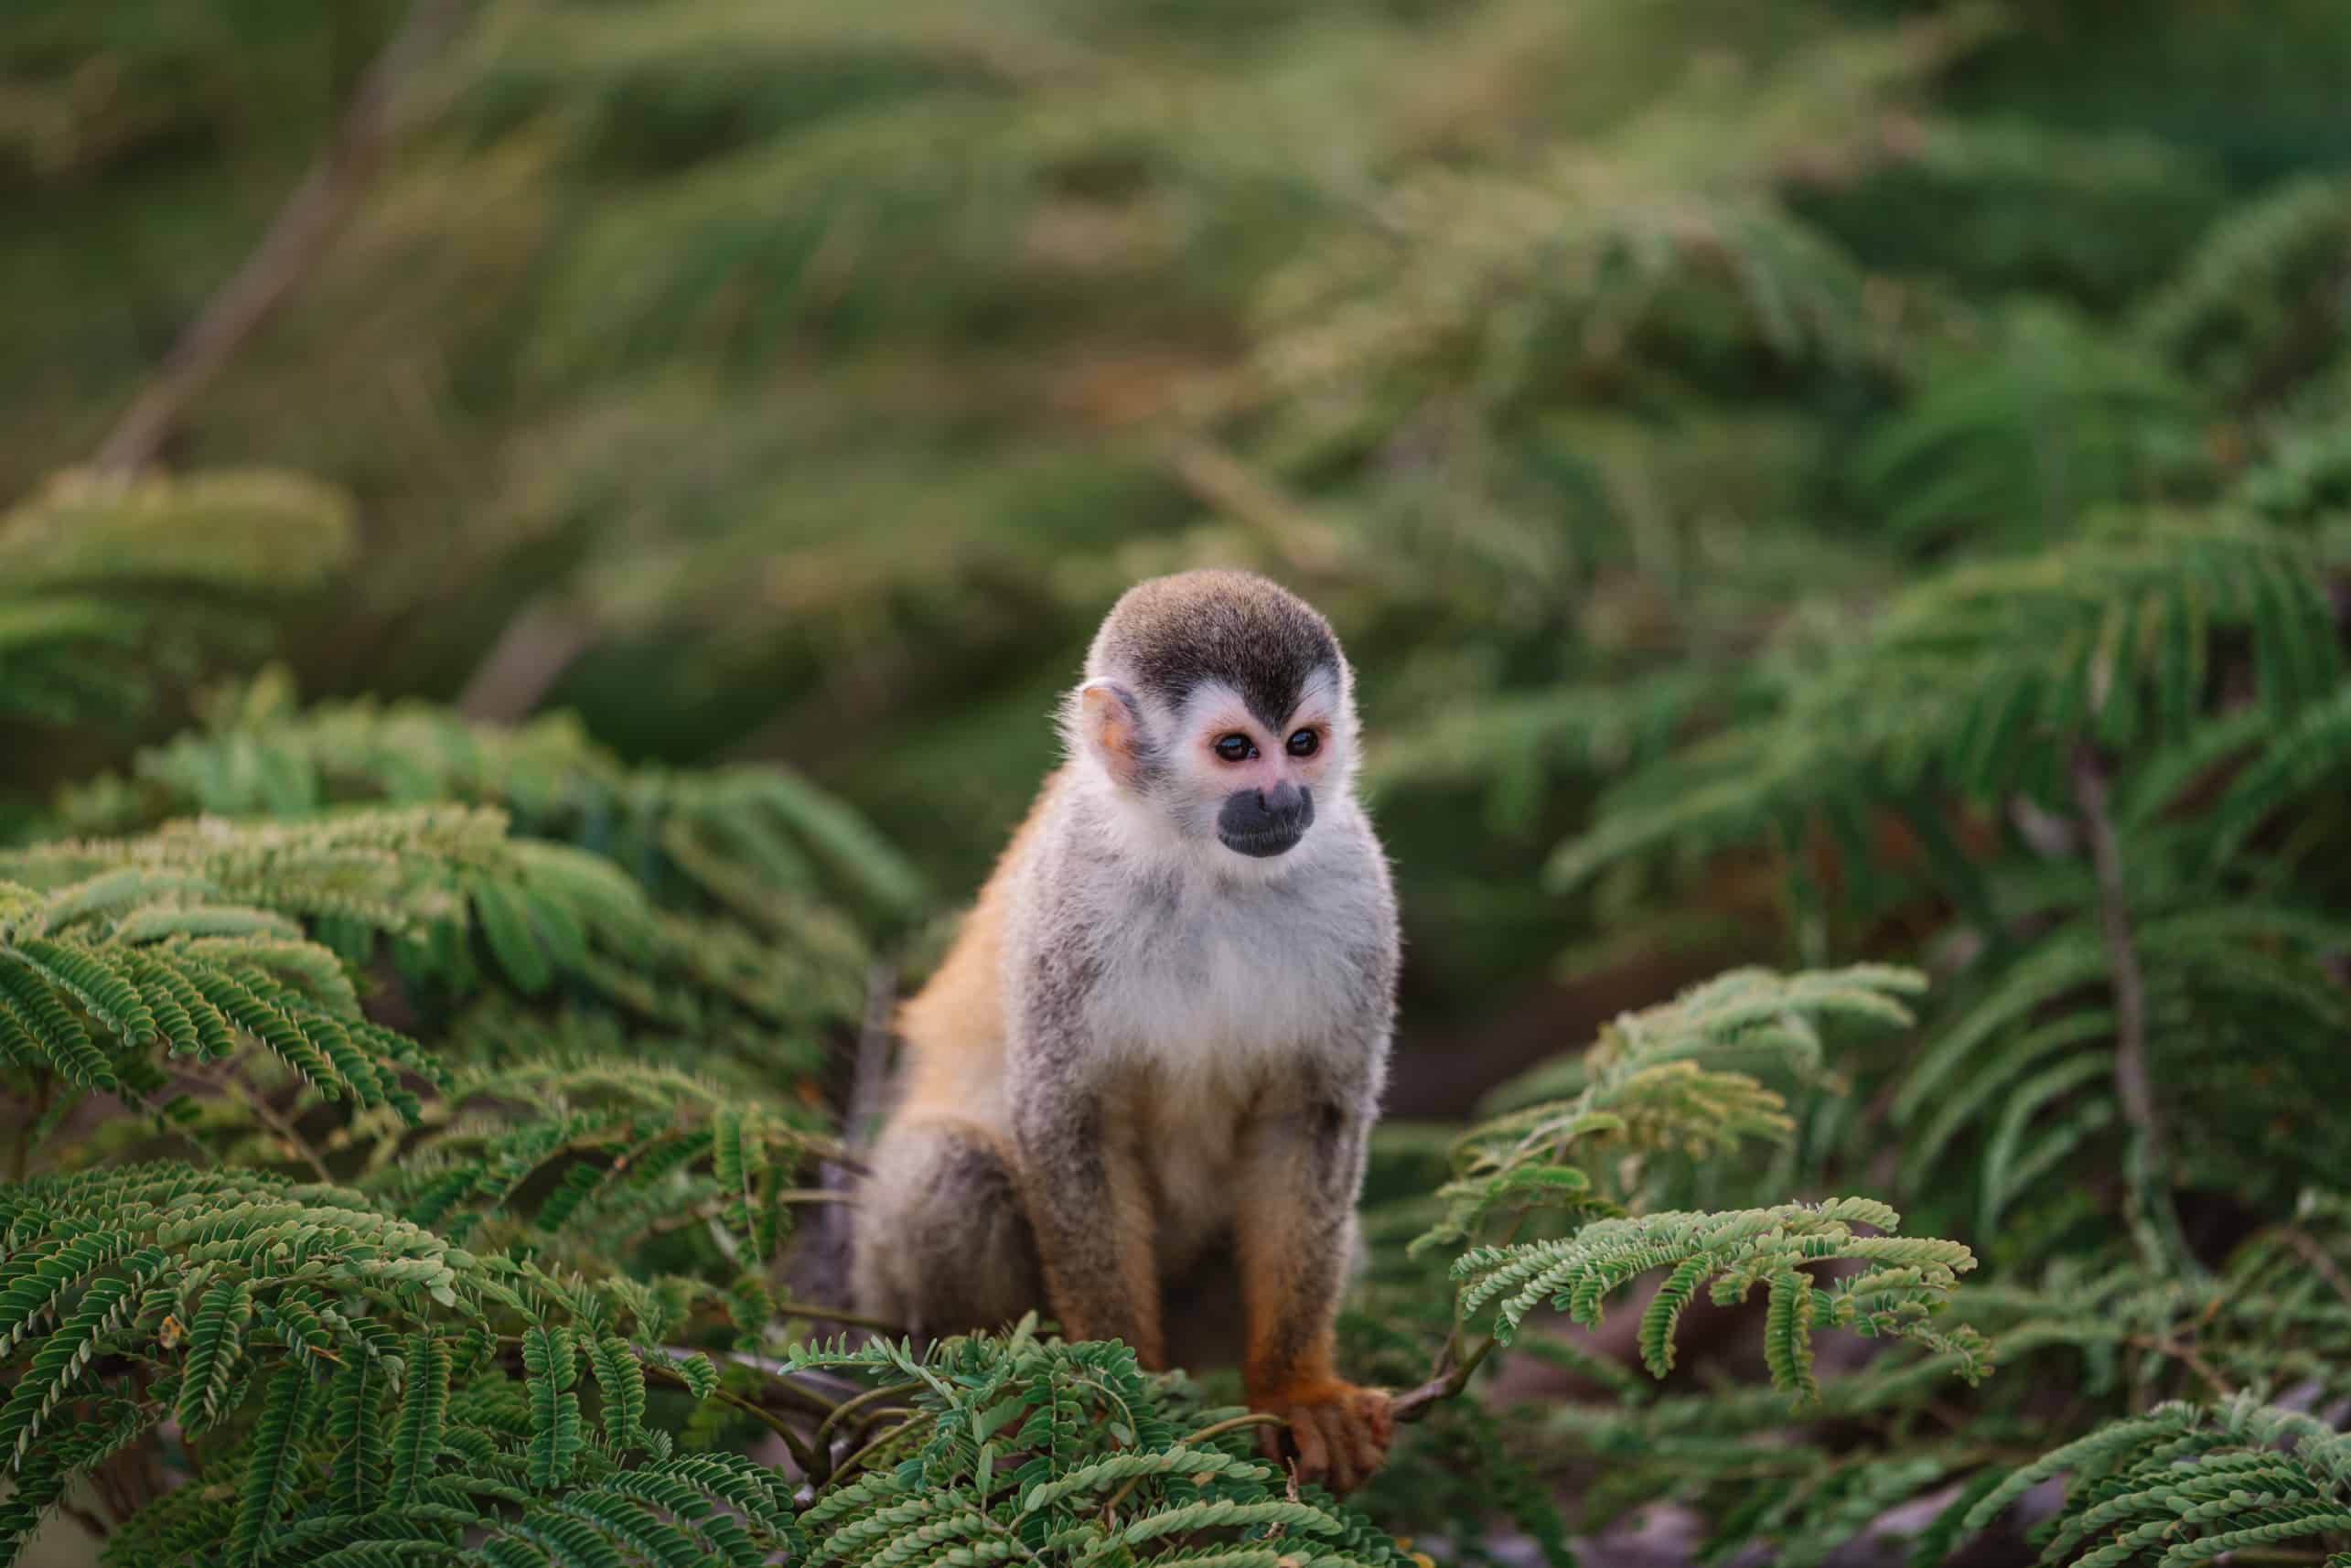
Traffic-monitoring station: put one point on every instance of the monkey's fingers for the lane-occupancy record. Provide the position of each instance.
(1313, 1448)
(1370, 1425)
(1342, 1437)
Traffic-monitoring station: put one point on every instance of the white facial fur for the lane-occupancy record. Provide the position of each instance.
(1175, 810)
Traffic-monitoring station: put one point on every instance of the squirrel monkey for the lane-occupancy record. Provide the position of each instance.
(1144, 1075)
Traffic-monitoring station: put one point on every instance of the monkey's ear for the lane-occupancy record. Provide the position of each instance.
(1113, 730)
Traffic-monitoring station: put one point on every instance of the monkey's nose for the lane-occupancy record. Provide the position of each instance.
(1265, 822)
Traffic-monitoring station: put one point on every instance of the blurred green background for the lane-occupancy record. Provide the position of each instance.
(760, 378)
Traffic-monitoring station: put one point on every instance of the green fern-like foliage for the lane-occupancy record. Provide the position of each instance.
(768, 891)
(118, 958)
(2259, 302)
(2204, 654)
(199, 970)
(426, 877)
(756, 842)
(2022, 434)
(2185, 1484)
(2085, 764)
(1729, 1255)
(1980, 682)
(1027, 1449)
(1653, 1082)
(111, 588)
(371, 1392)
(2006, 680)
(591, 1156)
(1651, 1087)
(387, 1369)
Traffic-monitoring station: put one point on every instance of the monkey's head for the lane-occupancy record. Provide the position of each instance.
(1220, 701)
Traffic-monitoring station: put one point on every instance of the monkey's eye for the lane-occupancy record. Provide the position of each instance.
(1305, 743)
(1235, 748)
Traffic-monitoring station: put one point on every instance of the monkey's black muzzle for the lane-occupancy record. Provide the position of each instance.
(1266, 822)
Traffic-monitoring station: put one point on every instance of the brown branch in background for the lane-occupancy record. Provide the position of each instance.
(2302, 1242)
(2186, 1357)
(2133, 1082)
(1446, 1380)
(1217, 478)
(2132, 1079)
(299, 1147)
(529, 656)
(297, 238)
(20, 1158)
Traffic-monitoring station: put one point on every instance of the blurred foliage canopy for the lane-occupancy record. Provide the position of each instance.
(1813, 482)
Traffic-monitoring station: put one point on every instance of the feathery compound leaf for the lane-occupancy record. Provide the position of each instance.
(423, 1410)
(1787, 1336)
(1189, 1517)
(556, 1436)
(59, 1365)
(1175, 1461)
(2189, 1484)
(1663, 1314)
(354, 1420)
(701, 1376)
(506, 925)
(211, 1035)
(1737, 1249)
(273, 1461)
(621, 1378)
(33, 1283)
(114, 1001)
(52, 1026)
(216, 1341)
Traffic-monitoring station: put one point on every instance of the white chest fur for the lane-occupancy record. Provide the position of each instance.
(1228, 982)
(1216, 993)
(1215, 1000)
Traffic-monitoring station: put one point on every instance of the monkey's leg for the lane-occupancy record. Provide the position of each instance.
(943, 1245)
(1095, 1229)
(1295, 1230)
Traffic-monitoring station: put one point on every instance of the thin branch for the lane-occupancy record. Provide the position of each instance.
(2132, 1079)
(258, 1104)
(20, 1158)
(1453, 1370)
(2303, 1242)
(2134, 1083)
(871, 1396)
(872, 1448)
(543, 641)
(1444, 1383)
(2186, 1357)
(815, 1391)
(295, 240)
(820, 1313)
(801, 1455)
(1217, 478)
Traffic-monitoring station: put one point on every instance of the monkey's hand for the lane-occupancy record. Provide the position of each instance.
(1340, 1433)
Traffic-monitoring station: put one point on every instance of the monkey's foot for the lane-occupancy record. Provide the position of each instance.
(1340, 1432)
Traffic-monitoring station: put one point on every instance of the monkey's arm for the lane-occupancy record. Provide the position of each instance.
(1296, 1229)
(1082, 1185)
